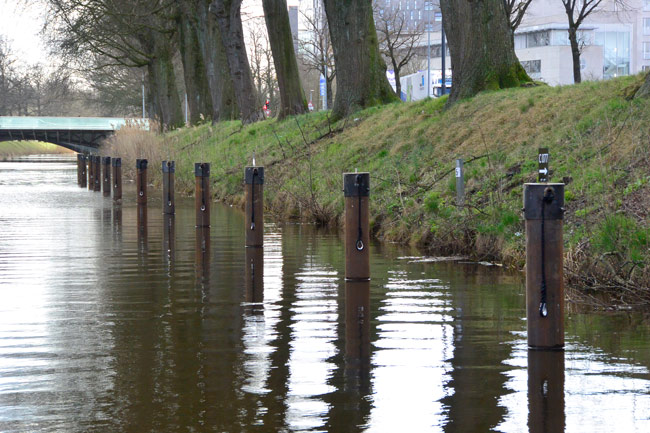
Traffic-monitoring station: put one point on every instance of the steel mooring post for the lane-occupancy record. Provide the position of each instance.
(106, 176)
(357, 319)
(81, 167)
(546, 408)
(91, 172)
(544, 213)
(168, 169)
(254, 275)
(254, 199)
(141, 180)
(202, 193)
(356, 189)
(98, 174)
(117, 179)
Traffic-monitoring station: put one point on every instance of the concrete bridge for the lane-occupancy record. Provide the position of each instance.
(81, 134)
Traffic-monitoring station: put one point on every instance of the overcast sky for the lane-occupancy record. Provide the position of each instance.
(21, 26)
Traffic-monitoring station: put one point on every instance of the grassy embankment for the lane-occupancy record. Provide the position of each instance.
(12, 149)
(600, 147)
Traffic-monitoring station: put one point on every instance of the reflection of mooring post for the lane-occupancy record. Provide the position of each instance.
(168, 169)
(460, 183)
(544, 211)
(254, 275)
(141, 180)
(142, 224)
(202, 254)
(106, 176)
(546, 391)
(169, 236)
(91, 172)
(356, 188)
(357, 319)
(202, 193)
(117, 179)
(98, 173)
(254, 198)
(81, 167)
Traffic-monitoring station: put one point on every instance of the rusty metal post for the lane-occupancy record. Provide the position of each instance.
(168, 169)
(117, 179)
(544, 213)
(91, 172)
(254, 275)
(106, 176)
(546, 409)
(202, 254)
(357, 319)
(356, 189)
(141, 180)
(202, 193)
(81, 170)
(254, 207)
(97, 174)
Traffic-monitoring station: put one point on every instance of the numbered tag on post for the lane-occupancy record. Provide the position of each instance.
(542, 159)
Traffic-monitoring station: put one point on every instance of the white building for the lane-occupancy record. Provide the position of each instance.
(616, 41)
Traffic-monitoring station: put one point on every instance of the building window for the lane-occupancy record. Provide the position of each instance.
(646, 5)
(428, 6)
(532, 67)
(538, 39)
(646, 26)
(616, 53)
(645, 68)
(646, 50)
(438, 17)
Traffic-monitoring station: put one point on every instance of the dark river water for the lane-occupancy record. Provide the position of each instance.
(113, 323)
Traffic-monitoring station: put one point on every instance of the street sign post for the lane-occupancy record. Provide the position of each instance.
(323, 91)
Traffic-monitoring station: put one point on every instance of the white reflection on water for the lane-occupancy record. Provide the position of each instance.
(410, 367)
(312, 345)
(260, 329)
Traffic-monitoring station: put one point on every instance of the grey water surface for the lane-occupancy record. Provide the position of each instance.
(115, 321)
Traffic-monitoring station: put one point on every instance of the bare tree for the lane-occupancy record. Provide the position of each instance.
(261, 61)
(397, 42)
(316, 52)
(515, 10)
(577, 11)
(7, 62)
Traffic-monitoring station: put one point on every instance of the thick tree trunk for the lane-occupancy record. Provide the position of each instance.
(222, 93)
(162, 82)
(480, 43)
(228, 13)
(194, 70)
(292, 97)
(575, 54)
(360, 71)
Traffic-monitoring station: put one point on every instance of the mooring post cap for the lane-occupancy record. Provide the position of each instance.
(107, 160)
(201, 169)
(254, 175)
(141, 164)
(544, 200)
(168, 166)
(356, 184)
(116, 162)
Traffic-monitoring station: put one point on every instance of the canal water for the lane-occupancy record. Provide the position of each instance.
(116, 321)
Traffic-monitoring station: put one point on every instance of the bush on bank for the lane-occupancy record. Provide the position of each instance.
(599, 145)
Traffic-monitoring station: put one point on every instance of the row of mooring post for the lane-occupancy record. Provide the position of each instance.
(543, 214)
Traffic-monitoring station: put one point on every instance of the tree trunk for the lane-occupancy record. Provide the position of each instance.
(575, 54)
(398, 85)
(292, 97)
(222, 93)
(360, 71)
(162, 82)
(228, 13)
(194, 70)
(480, 43)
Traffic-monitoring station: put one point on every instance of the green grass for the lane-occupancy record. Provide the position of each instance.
(599, 143)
